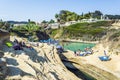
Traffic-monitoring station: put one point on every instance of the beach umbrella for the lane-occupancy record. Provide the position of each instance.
(104, 58)
(58, 46)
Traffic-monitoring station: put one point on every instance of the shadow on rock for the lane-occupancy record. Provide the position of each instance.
(14, 71)
(11, 61)
(75, 70)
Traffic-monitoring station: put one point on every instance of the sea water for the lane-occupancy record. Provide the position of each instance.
(73, 46)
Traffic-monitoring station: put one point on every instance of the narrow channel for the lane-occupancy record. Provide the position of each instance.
(78, 73)
(73, 46)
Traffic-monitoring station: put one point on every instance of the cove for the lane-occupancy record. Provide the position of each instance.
(73, 46)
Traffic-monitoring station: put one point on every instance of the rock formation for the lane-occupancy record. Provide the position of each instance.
(40, 62)
(3, 67)
(100, 70)
(92, 66)
(4, 36)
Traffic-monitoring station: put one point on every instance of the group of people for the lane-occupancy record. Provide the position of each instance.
(83, 53)
(19, 45)
(77, 53)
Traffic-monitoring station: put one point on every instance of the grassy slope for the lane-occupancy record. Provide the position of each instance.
(85, 31)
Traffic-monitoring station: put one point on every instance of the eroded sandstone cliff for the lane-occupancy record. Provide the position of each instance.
(39, 63)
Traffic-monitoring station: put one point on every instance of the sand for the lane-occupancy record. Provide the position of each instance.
(112, 66)
(42, 63)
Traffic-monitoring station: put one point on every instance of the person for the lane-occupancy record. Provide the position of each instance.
(79, 50)
(16, 41)
(17, 46)
(85, 49)
(20, 43)
(23, 44)
(75, 53)
(105, 53)
(37, 44)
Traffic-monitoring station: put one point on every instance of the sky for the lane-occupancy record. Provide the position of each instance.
(39, 10)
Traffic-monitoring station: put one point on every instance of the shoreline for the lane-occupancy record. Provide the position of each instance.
(74, 40)
(93, 60)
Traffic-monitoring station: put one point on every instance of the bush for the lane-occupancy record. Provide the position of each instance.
(115, 36)
(28, 27)
(54, 32)
(80, 30)
(101, 23)
(84, 28)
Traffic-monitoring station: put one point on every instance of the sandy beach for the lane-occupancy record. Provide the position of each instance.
(111, 66)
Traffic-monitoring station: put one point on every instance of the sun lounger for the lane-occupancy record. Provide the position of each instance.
(83, 54)
(88, 52)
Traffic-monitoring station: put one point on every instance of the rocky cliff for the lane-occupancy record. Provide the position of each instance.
(40, 62)
(92, 65)
(4, 36)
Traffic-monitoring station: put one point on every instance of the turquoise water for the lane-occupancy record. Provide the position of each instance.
(73, 46)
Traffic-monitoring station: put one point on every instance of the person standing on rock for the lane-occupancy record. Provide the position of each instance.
(105, 53)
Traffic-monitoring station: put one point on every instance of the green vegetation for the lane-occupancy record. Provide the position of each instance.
(54, 32)
(115, 36)
(30, 27)
(113, 16)
(26, 30)
(65, 15)
(85, 31)
(5, 25)
(101, 23)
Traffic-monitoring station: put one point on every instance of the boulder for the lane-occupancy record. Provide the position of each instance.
(4, 36)
(3, 67)
(40, 63)
(1, 54)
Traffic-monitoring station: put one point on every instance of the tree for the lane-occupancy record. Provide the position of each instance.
(1, 20)
(51, 21)
(82, 14)
(113, 16)
(44, 21)
(87, 16)
(1, 24)
(97, 14)
(32, 22)
(29, 20)
(65, 15)
(6, 26)
(28, 27)
(56, 16)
